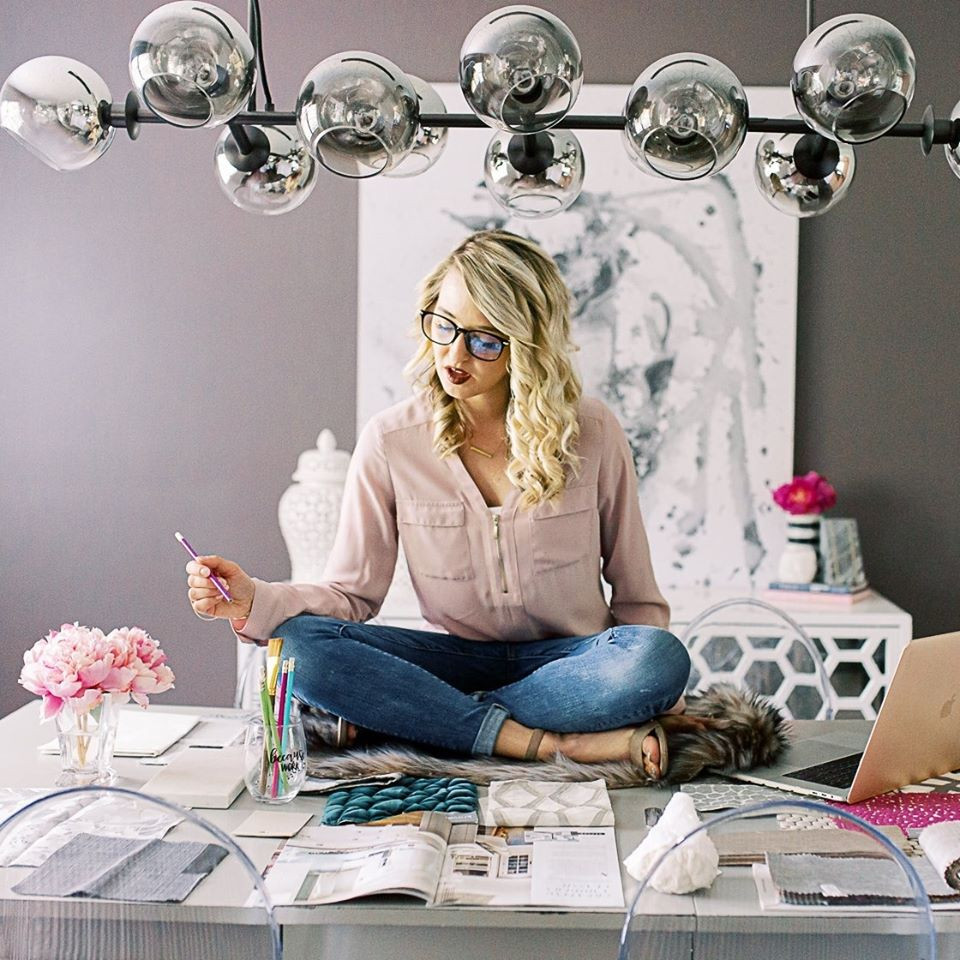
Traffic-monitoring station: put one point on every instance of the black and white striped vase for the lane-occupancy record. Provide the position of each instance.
(801, 556)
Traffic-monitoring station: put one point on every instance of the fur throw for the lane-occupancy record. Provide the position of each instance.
(746, 731)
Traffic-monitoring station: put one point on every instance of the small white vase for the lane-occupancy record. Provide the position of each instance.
(801, 556)
(86, 739)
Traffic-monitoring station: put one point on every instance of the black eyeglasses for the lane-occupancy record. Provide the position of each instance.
(439, 329)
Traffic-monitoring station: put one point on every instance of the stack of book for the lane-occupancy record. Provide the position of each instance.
(815, 593)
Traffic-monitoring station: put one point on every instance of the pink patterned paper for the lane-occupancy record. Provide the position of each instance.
(905, 810)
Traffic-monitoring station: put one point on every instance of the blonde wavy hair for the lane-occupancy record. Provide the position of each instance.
(520, 292)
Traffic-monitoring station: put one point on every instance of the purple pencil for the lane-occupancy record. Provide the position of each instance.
(213, 578)
(278, 710)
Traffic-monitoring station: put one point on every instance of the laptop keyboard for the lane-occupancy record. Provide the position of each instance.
(834, 773)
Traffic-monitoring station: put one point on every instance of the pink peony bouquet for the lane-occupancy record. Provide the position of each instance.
(82, 664)
(810, 493)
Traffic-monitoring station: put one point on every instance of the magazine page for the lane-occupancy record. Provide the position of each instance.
(331, 864)
(543, 867)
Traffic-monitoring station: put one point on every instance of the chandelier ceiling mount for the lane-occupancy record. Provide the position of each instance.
(358, 115)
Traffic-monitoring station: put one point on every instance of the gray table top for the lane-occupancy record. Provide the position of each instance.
(730, 905)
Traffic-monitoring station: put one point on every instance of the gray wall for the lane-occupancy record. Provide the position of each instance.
(164, 356)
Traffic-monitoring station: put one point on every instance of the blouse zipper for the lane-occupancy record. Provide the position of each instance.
(496, 537)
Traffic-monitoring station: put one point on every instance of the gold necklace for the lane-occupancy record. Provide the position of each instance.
(486, 453)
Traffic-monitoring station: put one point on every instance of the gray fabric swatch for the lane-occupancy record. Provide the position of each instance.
(118, 868)
(809, 879)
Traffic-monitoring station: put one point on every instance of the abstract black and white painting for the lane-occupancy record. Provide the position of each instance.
(684, 312)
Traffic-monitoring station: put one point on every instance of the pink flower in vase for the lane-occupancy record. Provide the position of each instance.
(809, 493)
(146, 664)
(81, 664)
(67, 664)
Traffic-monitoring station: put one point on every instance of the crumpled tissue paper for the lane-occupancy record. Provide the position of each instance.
(692, 866)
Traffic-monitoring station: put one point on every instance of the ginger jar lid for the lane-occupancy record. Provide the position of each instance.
(324, 464)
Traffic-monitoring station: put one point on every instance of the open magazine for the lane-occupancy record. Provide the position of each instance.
(448, 863)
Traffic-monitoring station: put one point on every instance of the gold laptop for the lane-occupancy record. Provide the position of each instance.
(916, 735)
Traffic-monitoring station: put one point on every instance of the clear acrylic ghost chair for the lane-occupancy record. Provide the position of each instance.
(250, 658)
(749, 642)
(215, 878)
(725, 921)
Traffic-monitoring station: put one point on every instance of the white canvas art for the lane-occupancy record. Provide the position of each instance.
(684, 312)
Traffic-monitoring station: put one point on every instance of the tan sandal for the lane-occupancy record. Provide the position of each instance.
(533, 744)
(342, 739)
(637, 754)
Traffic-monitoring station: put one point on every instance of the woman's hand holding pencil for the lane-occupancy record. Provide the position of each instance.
(205, 597)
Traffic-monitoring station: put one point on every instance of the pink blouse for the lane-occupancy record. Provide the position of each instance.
(527, 574)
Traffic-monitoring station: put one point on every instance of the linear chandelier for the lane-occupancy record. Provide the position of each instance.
(359, 115)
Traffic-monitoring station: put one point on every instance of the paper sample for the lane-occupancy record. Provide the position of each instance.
(273, 823)
(543, 803)
(143, 733)
(578, 868)
(200, 778)
(50, 826)
(745, 847)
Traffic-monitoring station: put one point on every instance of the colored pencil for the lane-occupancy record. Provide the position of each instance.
(269, 729)
(288, 706)
(288, 702)
(265, 753)
(278, 714)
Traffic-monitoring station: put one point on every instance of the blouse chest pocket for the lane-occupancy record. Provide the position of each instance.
(434, 538)
(568, 533)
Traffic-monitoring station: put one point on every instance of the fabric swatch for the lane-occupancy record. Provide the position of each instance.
(366, 804)
(119, 868)
(905, 810)
(716, 795)
(809, 879)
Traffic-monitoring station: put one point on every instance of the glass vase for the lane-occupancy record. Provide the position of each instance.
(801, 556)
(86, 739)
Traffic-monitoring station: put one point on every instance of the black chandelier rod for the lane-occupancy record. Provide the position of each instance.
(933, 130)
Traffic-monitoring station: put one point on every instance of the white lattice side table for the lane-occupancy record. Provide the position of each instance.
(860, 645)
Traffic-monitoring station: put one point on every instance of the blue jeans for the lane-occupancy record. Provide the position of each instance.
(448, 692)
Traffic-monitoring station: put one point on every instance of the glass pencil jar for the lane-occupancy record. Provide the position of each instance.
(274, 759)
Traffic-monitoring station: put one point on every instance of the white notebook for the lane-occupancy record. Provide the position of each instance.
(200, 778)
(144, 733)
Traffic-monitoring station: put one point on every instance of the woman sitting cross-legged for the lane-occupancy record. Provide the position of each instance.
(513, 497)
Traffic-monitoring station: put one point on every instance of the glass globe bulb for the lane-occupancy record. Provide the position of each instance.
(358, 113)
(429, 142)
(51, 105)
(520, 69)
(803, 175)
(536, 175)
(685, 117)
(953, 158)
(853, 78)
(192, 64)
(279, 185)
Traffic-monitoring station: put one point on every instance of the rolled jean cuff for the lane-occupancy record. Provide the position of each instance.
(490, 730)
